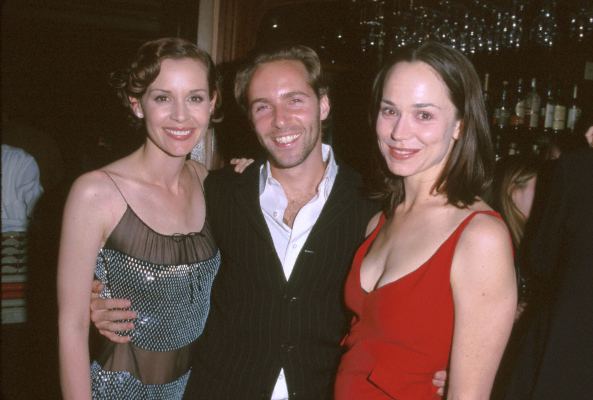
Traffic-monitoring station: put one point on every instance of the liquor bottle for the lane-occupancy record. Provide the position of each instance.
(502, 111)
(486, 95)
(516, 131)
(544, 134)
(532, 105)
(518, 110)
(501, 116)
(548, 109)
(559, 119)
(574, 110)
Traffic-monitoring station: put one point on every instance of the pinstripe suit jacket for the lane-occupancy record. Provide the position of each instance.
(258, 321)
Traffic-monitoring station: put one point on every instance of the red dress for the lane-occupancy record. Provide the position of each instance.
(401, 333)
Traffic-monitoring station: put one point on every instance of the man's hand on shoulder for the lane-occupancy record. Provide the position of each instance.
(241, 164)
(107, 315)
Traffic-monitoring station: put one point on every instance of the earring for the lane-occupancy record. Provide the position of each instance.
(140, 114)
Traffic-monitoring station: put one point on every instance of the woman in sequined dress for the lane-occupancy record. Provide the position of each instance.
(139, 224)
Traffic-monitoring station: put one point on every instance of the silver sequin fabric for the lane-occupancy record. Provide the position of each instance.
(172, 301)
(121, 385)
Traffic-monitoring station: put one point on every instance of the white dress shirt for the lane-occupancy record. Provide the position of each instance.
(288, 241)
(20, 188)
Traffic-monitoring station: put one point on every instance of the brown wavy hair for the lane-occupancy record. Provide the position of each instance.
(468, 171)
(146, 66)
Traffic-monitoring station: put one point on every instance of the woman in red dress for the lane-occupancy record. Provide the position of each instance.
(433, 286)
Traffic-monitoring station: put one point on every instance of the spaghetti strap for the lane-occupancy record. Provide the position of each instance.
(488, 212)
(380, 223)
(197, 176)
(117, 187)
(467, 219)
(461, 227)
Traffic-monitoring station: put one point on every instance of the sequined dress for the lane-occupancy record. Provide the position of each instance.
(168, 279)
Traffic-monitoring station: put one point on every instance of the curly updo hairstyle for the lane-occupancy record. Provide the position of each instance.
(146, 66)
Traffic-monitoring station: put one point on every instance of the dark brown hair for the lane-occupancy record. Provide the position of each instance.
(300, 53)
(468, 171)
(146, 66)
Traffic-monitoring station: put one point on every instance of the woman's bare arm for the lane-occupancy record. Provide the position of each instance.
(485, 299)
(83, 231)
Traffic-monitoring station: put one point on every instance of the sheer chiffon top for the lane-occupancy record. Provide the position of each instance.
(168, 279)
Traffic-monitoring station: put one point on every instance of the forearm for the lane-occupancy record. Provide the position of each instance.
(74, 361)
(477, 353)
(461, 386)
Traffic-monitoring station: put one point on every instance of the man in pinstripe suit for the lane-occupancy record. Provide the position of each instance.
(287, 228)
(305, 206)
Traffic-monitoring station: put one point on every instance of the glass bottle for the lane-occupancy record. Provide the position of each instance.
(543, 135)
(486, 95)
(516, 131)
(532, 107)
(574, 110)
(502, 112)
(501, 117)
(548, 109)
(559, 119)
(518, 110)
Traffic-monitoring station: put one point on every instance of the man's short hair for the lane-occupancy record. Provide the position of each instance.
(307, 56)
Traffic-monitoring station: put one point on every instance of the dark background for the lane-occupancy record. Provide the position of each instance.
(56, 104)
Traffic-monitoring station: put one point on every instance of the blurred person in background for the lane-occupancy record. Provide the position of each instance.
(21, 190)
(553, 359)
(515, 185)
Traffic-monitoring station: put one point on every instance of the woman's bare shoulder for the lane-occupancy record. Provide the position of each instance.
(484, 228)
(486, 235)
(94, 188)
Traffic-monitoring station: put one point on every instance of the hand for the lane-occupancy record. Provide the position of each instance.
(439, 380)
(105, 314)
(241, 164)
